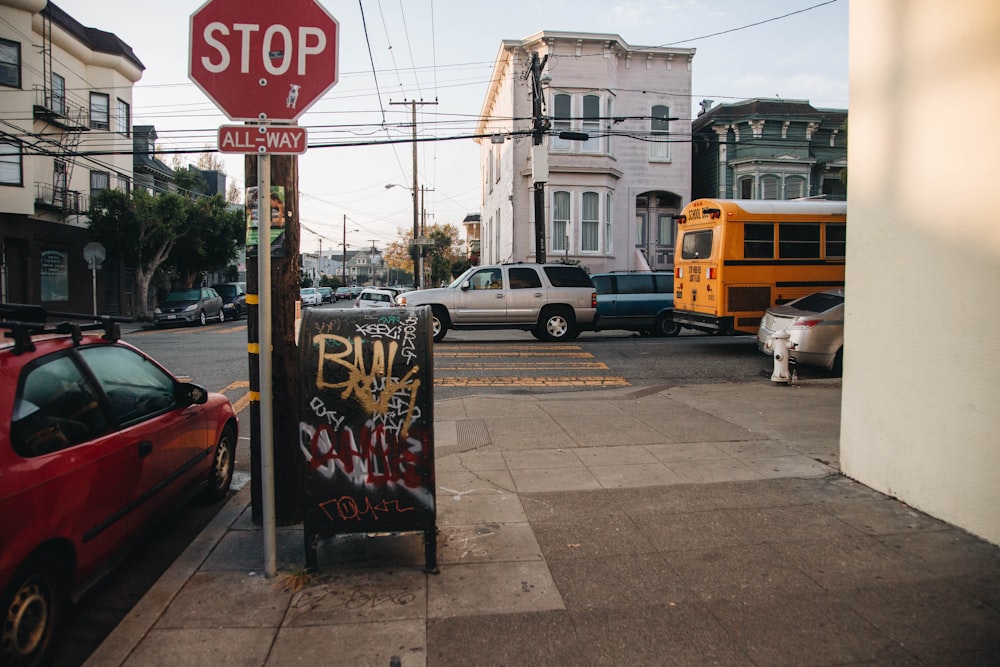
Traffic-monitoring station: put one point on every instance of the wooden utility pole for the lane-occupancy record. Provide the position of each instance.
(289, 472)
(539, 156)
(413, 191)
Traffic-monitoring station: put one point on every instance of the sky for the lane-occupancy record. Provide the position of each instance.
(395, 51)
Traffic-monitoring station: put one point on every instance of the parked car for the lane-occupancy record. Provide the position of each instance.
(234, 299)
(552, 301)
(326, 293)
(310, 296)
(342, 293)
(196, 305)
(356, 291)
(642, 302)
(815, 326)
(375, 298)
(98, 443)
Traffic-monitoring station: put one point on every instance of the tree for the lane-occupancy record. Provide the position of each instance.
(438, 257)
(215, 234)
(141, 229)
(153, 232)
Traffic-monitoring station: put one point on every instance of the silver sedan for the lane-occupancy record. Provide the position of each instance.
(815, 326)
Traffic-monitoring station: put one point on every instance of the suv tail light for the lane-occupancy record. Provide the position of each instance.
(804, 324)
(593, 299)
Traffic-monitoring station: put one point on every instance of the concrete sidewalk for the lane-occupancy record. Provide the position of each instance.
(702, 524)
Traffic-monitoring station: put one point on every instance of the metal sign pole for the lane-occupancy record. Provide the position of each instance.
(266, 388)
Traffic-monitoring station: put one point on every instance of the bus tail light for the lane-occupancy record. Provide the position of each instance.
(679, 272)
(711, 273)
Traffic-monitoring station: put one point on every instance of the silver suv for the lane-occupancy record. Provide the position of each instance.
(552, 301)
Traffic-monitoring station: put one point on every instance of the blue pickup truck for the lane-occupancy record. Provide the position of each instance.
(642, 302)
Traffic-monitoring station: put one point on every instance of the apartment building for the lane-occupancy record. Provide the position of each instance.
(65, 91)
(609, 198)
(769, 149)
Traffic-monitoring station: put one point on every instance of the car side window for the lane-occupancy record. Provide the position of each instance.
(486, 279)
(603, 284)
(56, 407)
(635, 284)
(523, 278)
(136, 387)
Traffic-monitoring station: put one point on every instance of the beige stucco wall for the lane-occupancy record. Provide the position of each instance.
(921, 399)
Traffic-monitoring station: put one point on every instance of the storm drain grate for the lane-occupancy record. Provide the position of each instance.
(472, 433)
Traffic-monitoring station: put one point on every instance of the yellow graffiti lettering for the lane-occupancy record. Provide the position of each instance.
(371, 385)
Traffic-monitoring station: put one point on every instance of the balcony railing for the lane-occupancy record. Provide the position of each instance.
(56, 110)
(61, 199)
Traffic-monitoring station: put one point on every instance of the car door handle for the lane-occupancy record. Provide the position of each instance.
(145, 449)
(500, 295)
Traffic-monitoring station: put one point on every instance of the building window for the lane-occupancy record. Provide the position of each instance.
(560, 220)
(746, 188)
(11, 170)
(562, 112)
(58, 100)
(795, 187)
(590, 222)
(665, 229)
(123, 183)
(10, 63)
(769, 187)
(659, 133)
(99, 111)
(123, 117)
(591, 123)
(608, 247)
(55, 275)
(99, 181)
(611, 114)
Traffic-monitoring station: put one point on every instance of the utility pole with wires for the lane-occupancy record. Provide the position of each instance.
(539, 155)
(416, 209)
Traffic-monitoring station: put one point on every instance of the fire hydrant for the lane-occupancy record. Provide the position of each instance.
(779, 346)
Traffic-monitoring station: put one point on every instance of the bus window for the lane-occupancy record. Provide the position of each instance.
(836, 240)
(758, 241)
(798, 241)
(697, 245)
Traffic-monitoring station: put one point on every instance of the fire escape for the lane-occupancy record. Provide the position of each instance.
(52, 107)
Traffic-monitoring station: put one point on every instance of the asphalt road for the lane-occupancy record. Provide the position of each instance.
(215, 356)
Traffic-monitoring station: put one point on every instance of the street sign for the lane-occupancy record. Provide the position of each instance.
(263, 61)
(272, 139)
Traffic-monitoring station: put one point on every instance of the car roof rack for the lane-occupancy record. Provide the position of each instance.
(23, 321)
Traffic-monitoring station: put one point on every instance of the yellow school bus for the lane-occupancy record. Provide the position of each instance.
(738, 257)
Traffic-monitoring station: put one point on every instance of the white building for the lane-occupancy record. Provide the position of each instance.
(609, 200)
(65, 89)
(920, 418)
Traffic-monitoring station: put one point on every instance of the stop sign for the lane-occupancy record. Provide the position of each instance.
(259, 60)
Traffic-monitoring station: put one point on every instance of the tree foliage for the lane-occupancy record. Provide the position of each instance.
(440, 258)
(154, 232)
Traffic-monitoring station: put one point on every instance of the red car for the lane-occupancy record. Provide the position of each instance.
(97, 441)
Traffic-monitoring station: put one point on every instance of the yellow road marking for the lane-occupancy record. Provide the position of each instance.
(532, 382)
(492, 366)
(479, 355)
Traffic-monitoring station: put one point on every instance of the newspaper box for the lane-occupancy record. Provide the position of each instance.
(366, 424)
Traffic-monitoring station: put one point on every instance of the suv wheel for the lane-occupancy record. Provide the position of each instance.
(439, 323)
(557, 324)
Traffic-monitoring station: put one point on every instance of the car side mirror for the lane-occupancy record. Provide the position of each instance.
(466, 284)
(189, 393)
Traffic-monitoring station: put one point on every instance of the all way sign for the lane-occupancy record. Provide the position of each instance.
(271, 139)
